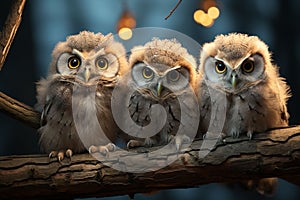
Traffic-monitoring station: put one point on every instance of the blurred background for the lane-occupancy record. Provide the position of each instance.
(47, 22)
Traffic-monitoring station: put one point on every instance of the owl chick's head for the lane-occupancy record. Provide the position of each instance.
(235, 62)
(89, 56)
(162, 67)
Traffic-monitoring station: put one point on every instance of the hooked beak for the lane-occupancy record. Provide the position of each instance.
(158, 88)
(87, 74)
(234, 81)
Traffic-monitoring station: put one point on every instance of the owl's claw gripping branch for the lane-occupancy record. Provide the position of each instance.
(61, 154)
(103, 149)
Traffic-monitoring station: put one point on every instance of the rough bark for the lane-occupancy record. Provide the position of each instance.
(10, 28)
(275, 153)
(19, 111)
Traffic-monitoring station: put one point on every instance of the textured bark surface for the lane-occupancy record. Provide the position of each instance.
(10, 28)
(275, 153)
(19, 111)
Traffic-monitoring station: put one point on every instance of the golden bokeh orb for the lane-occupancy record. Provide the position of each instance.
(125, 33)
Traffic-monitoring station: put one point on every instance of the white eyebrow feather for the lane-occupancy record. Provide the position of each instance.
(100, 52)
(174, 68)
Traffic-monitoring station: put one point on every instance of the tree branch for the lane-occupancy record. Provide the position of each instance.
(171, 12)
(19, 111)
(10, 29)
(276, 153)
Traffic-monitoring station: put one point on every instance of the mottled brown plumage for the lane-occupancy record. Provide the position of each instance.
(75, 96)
(162, 72)
(240, 90)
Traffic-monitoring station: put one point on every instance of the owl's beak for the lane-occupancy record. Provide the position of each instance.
(158, 88)
(234, 81)
(87, 75)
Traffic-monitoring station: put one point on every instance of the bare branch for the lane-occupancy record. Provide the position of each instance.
(10, 29)
(19, 111)
(275, 153)
(171, 12)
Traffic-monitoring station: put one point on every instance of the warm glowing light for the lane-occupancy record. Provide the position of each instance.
(203, 18)
(207, 21)
(206, 4)
(213, 12)
(126, 21)
(125, 33)
(198, 15)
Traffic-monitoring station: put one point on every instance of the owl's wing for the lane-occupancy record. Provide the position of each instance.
(205, 108)
(285, 93)
(45, 112)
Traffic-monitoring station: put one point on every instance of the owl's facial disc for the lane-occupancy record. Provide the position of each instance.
(151, 76)
(159, 79)
(235, 75)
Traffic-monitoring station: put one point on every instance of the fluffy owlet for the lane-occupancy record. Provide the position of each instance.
(75, 96)
(240, 90)
(162, 71)
(237, 76)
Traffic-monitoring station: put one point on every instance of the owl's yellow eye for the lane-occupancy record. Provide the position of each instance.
(173, 75)
(248, 66)
(147, 73)
(102, 63)
(74, 62)
(220, 67)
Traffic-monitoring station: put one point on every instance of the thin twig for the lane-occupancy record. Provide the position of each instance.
(171, 12)
(10, 29)
(19, 111)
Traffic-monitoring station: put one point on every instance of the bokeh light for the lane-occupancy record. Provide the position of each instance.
(207, 21)
(198, 14)
(213, 12)
(203, 18)
(125, 33)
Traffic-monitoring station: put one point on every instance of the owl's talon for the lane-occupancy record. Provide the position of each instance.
(53, 154)
(181, 140)
(134, 143)
(249, 135)
(61, 154)
(69, 153)
(110, 147)
(92, 149)
(103, 150)
(235, 134)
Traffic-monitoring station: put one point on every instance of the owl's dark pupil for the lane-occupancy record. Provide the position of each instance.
(101, 63)
(74, 62)
(173, 75)
(221, 66)
(148, 72)
(248, 66)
